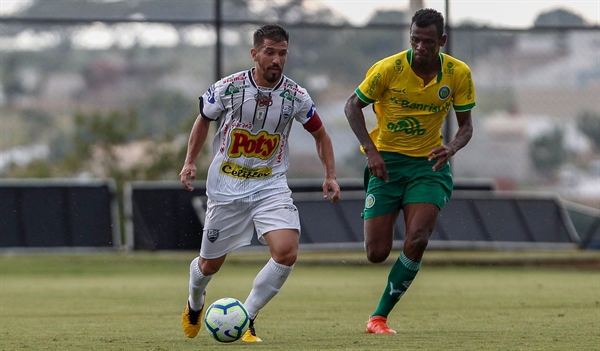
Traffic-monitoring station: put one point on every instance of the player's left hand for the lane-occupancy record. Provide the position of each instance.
(442, 154)
(331, 190)
(187, 175)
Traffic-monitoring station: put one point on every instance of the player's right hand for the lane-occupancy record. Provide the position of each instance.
(331, 190)
(188, 173)
(377, 166)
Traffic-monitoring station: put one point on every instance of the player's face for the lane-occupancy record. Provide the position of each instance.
(269, 62)
(425, 44)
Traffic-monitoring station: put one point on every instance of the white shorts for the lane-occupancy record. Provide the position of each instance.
(231, 224)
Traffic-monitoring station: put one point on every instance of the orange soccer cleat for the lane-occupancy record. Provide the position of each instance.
(378, 325)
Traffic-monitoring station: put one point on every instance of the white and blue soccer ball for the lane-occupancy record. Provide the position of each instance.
(226, 319)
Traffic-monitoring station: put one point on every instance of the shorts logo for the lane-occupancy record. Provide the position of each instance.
(290, 208)
(212, 235)
(370, 201)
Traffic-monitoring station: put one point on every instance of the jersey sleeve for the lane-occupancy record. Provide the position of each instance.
(464, 98)
(314, 122)
(211, 103)
(374, 85)
(307, 114)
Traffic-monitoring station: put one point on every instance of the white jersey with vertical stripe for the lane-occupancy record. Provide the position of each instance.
(250, 148)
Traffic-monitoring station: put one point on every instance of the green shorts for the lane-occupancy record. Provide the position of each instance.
(411, 180)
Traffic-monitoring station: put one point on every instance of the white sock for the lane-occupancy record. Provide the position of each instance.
(198, 283)
(266, 285)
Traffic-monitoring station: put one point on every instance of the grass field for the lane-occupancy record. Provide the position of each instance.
(134, 302)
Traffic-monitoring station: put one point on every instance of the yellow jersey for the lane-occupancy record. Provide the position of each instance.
(410, 112)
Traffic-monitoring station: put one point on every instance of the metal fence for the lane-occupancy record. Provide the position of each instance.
(534, 89)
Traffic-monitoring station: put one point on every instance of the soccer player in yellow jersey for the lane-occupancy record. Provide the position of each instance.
(407, 163)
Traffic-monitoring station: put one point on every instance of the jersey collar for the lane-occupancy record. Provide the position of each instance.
(409, 57)
(256, 86)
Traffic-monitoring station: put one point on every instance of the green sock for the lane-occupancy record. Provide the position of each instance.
(401, 275)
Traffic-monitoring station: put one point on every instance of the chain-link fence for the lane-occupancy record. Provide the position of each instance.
(71, 88)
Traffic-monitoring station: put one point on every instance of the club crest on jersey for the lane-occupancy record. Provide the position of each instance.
(263, 99)
(212, 235)
(262, 145)
(444, 92)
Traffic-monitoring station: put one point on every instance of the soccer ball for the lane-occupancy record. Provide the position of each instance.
(226, 319)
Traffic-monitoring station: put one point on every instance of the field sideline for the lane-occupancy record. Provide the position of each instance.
(460, 301)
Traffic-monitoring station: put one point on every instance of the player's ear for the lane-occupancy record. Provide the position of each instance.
(253, 53)
(443, 39)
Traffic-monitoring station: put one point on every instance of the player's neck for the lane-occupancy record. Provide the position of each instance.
(427, 70)
(261, 82)
(427, 67)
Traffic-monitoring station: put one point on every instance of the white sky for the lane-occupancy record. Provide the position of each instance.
(505, 13)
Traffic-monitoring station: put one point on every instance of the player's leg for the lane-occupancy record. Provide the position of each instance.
(278, 225)
(227, 226)
(378, 244)
(382, 207)
(425, 193)
(379, 236)
(201, 272)
(283, 245)
(420, 221)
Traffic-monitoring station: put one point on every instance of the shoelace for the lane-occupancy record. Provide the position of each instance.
(193, 316)
(251, 328)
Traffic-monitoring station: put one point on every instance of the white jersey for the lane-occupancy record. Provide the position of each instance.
(250, 149)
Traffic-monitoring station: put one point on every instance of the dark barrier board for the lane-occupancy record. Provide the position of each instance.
(162, 216)
(41, 213)
(586, 221)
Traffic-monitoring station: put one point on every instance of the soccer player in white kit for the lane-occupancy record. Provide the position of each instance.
(246, 185)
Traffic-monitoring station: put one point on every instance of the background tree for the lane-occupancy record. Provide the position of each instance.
(589, 124)
(560, 18)
(547, 152)
(11, 82)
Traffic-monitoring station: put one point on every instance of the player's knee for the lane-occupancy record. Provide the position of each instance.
(286, 258)
(208, 267)
(417, 242)
(377, 255)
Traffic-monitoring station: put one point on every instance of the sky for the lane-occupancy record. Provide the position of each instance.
(502, 13)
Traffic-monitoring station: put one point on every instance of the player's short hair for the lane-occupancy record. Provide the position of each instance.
(426, 17)
(273, 32)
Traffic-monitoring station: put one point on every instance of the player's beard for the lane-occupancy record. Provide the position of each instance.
(272, 77)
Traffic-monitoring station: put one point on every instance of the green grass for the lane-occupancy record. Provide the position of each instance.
(134, 302)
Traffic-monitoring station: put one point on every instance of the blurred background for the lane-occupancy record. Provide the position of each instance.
(109, 89)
